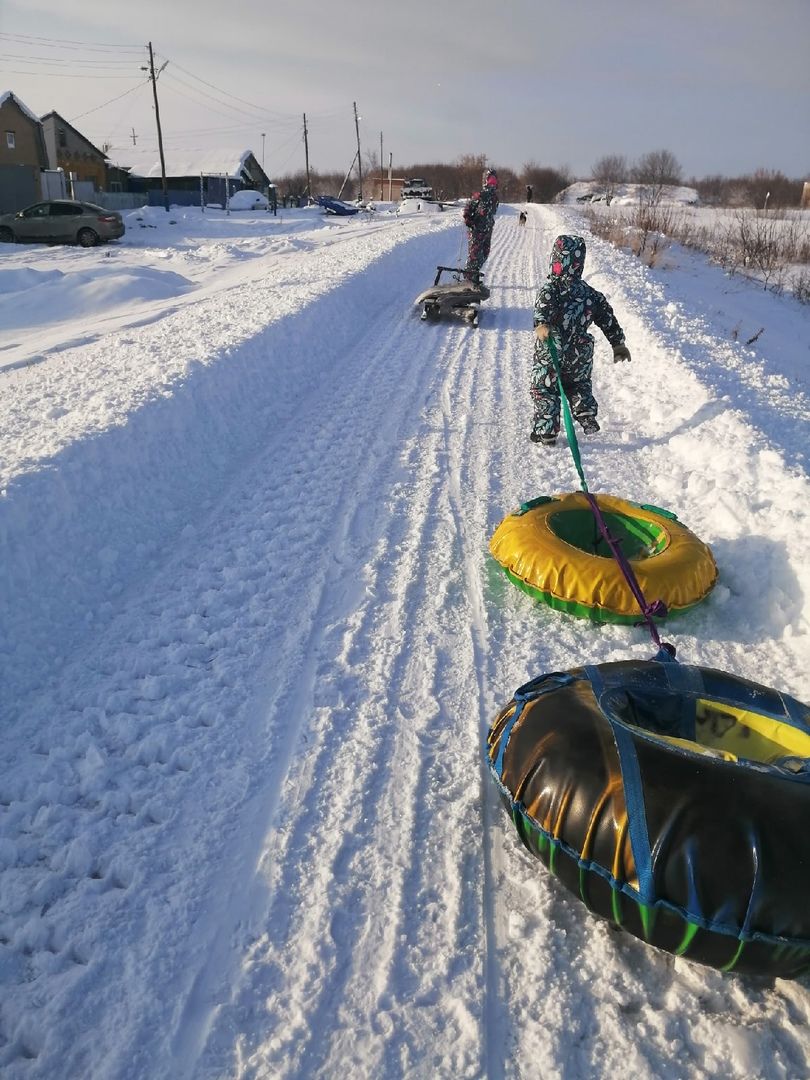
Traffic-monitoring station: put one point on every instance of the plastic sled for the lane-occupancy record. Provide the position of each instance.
(462, 297)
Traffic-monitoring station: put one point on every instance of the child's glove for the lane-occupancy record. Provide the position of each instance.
(541, 332)
(620, 352)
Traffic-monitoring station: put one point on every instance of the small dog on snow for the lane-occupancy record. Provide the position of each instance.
(522, 218)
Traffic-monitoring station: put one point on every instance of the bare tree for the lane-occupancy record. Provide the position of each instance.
(469, 171)
(546, 181)
(652, 172)
(771, 188)
(610, 171)
(657, 168)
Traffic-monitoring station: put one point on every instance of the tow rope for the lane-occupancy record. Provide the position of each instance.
(649, 611)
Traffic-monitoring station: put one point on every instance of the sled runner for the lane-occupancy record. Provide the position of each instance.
(462, 297)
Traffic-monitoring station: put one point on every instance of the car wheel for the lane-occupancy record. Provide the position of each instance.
(87, 237)
(6, 236)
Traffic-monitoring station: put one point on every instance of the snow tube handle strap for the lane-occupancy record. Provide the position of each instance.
(666, 654)
(541, 500)
(658, 510)
(544, 684)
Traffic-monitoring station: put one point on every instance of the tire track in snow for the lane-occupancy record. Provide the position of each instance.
(143, 430)
(379, 355)
(295, 1052)
(579, 993)
(262, 828)
(398, 590)
(470, 488)
(129, 710)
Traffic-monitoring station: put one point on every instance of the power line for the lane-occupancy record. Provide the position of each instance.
(240, 112)
(268, 112)
(67, 60)
(254, 118)
(283, 117)
(57, 43)
(140, 83)
(61, 75)
(122, 117)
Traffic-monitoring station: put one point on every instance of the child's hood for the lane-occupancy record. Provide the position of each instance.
(567, 261)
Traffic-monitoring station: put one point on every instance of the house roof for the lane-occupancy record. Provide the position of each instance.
(7, 95)
(76, 131)
(146, 162)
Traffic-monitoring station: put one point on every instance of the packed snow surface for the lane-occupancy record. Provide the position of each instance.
(251, 642)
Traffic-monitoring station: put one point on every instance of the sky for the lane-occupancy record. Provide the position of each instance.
(724, 86)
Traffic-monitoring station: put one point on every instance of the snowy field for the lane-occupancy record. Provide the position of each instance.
(251, 641)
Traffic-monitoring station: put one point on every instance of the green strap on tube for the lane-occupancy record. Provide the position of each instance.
(568, 420)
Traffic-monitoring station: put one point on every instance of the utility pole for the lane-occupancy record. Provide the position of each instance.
(153, 77)
(382, 193)
(134, 138)
(306, 158)
(263, 134)
(359, 161)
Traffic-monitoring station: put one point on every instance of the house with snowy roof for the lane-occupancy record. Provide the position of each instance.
(73, 152)
(190, 173)
(23, 154)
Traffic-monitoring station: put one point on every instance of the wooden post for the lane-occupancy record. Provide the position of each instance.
(306, 159)
(159, 133)
(359, 161)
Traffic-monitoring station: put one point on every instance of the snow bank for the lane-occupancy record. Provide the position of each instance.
(53, 296)
(252, 641)
(586, 191)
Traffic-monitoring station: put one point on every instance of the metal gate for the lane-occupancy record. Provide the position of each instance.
(19, 187)
(53, 184)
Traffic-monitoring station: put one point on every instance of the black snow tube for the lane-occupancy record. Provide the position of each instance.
(672, 800)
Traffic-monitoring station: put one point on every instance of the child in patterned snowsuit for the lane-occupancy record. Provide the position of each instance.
(479, 217)
(565, 307)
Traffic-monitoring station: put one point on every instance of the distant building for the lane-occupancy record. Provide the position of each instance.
(23, 154)
(187, 172)
(69, 150)
(378, 188)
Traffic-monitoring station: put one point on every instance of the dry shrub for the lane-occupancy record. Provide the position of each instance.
(801, 287)
(762, 244)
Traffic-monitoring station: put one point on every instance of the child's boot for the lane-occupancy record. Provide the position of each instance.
(589, 425)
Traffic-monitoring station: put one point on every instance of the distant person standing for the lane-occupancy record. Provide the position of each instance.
(529, 193)
(479, 217)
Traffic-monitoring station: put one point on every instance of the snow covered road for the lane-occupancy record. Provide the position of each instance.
(252, 640)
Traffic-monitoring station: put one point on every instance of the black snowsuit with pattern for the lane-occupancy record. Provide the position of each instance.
(567, 305)
(479, 217)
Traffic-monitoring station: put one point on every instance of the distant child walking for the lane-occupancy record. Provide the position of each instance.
(564, 309)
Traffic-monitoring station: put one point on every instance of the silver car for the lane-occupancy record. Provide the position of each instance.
(62, 221)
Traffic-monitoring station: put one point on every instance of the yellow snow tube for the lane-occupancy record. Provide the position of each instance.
(552, 548)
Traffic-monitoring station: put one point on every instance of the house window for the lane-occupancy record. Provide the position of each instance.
(10, 140)
(62, 137)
